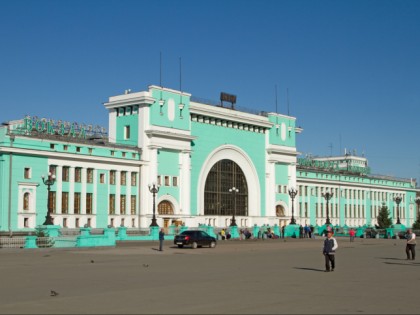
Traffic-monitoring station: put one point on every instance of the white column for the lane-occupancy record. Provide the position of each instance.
(270, 189)
(95, 192)
(59, 188)
(71, 191)
(83, 191)
(128, 196)
(184, 183)
(117, 192)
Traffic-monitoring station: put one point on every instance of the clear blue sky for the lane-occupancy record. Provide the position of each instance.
(352, 68)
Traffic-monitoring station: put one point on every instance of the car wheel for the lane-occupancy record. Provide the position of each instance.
(212, 244)
(180, 246)
(194, 245)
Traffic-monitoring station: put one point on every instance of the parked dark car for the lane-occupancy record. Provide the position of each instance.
(195, 238)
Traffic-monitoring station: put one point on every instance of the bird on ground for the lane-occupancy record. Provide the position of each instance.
(54, 293)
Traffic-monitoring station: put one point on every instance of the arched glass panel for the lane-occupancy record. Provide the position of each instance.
(26, 201)
(224, 175)
(165, 207)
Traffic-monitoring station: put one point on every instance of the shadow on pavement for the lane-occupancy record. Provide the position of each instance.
(310, 269)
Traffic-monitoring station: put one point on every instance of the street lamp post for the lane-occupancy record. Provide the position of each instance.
(154, 189)
(234, 191)
(327, 195)
(49, 181)
(397, 200)
(292, 193)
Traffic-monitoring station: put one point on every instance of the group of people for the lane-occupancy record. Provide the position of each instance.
(330, 245)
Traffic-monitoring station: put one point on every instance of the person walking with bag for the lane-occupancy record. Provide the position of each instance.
(330, 245)
(411, 244)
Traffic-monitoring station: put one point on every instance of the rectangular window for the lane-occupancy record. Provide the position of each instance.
(111, 204)
(123, 154)
(52, 201)
(89, 222)
(112, 222)
(26, 222)
(78, 175)
(122, 221)
(64, 202)
(90, 150)
(102, 178)
(167, 181)
(89, 175)
(65, 222)
(112, 177)
(66, 173)
(77, 203)
(175, 181)
(123, 178)
(159, 180)
(65, 148)
(77, 222)
(77, 149)
(127, 132)
(27, 173)
(52, 146)
(89, 203)
(134, 179)
(112, 153)
(133, 223)
(122, 204)
(133, 204)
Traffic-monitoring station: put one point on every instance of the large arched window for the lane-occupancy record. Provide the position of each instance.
(165, 207)
(224, 175)
(279, 211)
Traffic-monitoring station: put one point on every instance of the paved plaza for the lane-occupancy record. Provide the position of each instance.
(278, 276)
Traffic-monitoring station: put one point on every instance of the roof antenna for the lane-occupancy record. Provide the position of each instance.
(277, 113)
(180, 105)
(160, 78)
(161, 101)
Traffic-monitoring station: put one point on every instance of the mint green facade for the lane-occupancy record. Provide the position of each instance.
(175, 140)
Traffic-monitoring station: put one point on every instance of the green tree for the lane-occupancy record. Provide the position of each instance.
(384, 221)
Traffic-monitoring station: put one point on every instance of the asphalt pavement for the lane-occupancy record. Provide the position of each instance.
(276, 276)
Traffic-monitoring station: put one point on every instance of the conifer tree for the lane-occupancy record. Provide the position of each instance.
(384, 221)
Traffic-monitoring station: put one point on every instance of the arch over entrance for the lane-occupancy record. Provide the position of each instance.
(242, 160)
(223, 176)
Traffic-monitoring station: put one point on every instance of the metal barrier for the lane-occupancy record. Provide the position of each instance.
(12, 242)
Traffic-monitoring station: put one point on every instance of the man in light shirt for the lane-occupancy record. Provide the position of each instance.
(411, 244)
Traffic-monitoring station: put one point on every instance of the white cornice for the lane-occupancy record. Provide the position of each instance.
(169, 90)
(229, 114)
(74, 157)
(169, 135)
(283, 150)
(320, 182)
(139, 98)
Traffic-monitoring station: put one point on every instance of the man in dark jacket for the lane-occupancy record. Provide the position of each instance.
(330, 245)
(161, 238)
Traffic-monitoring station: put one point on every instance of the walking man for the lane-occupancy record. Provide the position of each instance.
(330, 245)
(161, 239)
(411, 244)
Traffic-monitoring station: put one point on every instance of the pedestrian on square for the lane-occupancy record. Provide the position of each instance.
(161, 239)
(411, 244)
(330, 245)
(352, 233)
